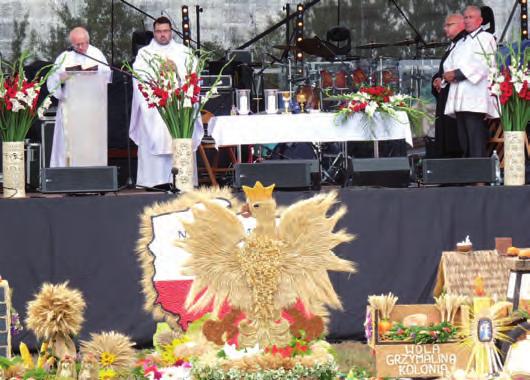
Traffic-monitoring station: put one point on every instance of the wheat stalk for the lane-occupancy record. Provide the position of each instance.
(384, 304)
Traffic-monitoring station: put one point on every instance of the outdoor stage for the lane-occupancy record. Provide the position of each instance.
(401, 233)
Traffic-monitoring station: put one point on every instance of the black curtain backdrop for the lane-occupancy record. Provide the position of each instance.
(401, 233)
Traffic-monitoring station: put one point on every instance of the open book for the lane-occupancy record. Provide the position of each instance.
(82, 68)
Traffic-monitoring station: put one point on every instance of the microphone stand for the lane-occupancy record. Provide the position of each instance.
(419, 38)
(125, 75)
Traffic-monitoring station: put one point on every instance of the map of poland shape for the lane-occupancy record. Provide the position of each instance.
(171, 285)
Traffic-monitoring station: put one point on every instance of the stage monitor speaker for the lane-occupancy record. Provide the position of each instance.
(286, 174)
(90, 179)
(458, 170)
(385, 172)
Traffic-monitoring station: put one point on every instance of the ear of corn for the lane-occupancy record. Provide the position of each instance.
(42, 354)
(26, 356)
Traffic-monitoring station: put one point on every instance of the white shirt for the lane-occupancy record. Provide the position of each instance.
(473, 55)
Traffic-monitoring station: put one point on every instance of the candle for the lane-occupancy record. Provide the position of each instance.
(271, 104)
(243, 109)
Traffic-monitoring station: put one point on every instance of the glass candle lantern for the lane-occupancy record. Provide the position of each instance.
(243, 102)
(271, 101)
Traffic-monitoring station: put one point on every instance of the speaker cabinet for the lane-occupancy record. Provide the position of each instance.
(385, 172)
(286, 174)
(90, 179)
(458, 170)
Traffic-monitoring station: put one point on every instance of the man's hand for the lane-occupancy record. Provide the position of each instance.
(450, 76)
(437, 83)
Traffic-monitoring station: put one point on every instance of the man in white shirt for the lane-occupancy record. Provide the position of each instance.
(469, 99)
(77, 55)
(147, 128)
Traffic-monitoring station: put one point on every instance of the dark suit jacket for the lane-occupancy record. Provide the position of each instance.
(445, 133)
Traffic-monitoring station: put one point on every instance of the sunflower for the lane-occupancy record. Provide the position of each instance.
(112, 350)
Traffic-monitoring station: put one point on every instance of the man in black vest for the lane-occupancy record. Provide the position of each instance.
(445, 132)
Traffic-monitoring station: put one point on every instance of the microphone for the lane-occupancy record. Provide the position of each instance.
(173, 186)
(70, 48)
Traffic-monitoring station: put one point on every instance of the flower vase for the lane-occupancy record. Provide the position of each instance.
(514, 158)
(13, 169)
(183, 161)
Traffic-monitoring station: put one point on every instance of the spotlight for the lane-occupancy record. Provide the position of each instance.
(186, 32)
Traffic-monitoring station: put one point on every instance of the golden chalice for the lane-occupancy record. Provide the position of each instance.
(286, 96)
(301, 99)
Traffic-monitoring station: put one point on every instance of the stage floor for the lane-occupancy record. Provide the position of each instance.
(401, 233)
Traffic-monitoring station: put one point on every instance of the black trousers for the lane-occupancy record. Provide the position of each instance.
(472, 133)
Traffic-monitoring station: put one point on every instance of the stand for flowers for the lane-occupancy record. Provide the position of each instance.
(183, 162)
(514, 158)
(13, 169)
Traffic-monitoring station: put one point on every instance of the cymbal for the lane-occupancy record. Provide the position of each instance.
(372, 45)
(406, 42)
(317, 47)
(434, 44)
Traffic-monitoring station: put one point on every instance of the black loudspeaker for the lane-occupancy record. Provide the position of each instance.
(284, 173)
(90, 179)
(386, 172)
(220, 105)
(140, 38)
(458, 170)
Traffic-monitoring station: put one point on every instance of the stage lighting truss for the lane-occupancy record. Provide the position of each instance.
(524, 19)
(186, 29)
(299, 30)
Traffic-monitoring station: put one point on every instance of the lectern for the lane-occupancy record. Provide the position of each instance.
(85, 118)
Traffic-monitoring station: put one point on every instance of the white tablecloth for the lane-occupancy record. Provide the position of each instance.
(314, 127)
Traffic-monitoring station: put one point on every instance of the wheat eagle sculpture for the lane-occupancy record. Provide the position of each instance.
(262, 274)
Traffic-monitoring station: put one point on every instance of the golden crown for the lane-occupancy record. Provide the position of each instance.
(258, 192)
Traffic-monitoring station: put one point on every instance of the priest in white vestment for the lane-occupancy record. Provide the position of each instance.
(147, 128)
(80, 42)
(469, 99)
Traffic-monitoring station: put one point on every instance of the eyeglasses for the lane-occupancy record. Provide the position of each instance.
(449, 24)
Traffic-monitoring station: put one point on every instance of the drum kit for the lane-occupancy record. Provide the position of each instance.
(338, 74)
(325, 73)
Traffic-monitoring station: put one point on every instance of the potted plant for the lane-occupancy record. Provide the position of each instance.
(177, 97)
(508, 81)
(18, 108)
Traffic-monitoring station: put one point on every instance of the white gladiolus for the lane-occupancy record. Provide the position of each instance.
(398, 98)
(187, 103)
(17, 106)
(496, 89)
(371, 108)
